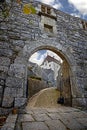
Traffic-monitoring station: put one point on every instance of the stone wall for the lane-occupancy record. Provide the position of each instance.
(35, 85)
(20, 38)
(63, 84)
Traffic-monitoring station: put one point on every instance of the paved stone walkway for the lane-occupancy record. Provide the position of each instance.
(62, 118)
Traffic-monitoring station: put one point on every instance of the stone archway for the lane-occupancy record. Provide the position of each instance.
(63, 82)
(60, 51)
(18, 71)
(68, 78)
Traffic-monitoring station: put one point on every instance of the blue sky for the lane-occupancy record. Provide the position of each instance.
(77, 8)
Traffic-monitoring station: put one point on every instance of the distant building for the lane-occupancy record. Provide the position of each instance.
(52, 64)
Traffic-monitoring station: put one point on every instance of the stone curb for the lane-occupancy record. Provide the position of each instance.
(10, 122)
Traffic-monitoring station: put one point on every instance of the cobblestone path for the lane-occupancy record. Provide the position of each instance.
(62, 118)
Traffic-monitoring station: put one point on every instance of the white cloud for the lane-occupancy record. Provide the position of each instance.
(52, 3)
(57, 6)
(34, 58)
(48, 1)
(80, 5)
(76, 15)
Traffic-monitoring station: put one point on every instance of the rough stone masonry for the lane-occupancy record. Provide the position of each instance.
(21, 35)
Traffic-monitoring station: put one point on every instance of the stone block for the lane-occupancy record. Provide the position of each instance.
(25, 118)
(7, 101)
(5, 111)
(70, 122)
(19, 43)
(1, 93)
(11, 118)
(41, 117)
(54, 116)
(14, 82)
(3, 68)
(34, 126)
(20, 60)
(4, 45)
(8, 126)
(4, 61)
(81, 102)
(17, 70)
(2, 82)
(6, 52)
(13, 92)
(3, 76)
(20, 102)
(1, 89)
(18, 126)
(55, 125)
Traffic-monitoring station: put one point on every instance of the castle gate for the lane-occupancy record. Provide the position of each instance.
(23, 35)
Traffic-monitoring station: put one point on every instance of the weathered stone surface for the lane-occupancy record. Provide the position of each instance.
(19, 43)
(20, 102)
(7, 101)
(1, 93)
(5, 111)
(4, 61)
(67, 119)
(80, 114)
(70, 122)
(5, 45)
(54, 116)
(35, 86)
(41, 117)
(1, 89)
(25, 118)
(10, 122)
(11, 118)
(79, 102)
(18, 126)
(17, 70)
(6, 52)
(21, 36)
(55, 125)
(14, 82)
(34, 126)
(8, 126)
(3, 69)
(2, 82)
(13, 92)
(83, 121)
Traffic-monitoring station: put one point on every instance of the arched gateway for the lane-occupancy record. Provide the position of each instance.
(18, 72)
(52, 30)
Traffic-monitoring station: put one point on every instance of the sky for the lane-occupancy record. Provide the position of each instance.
(77, 8)
(40, 55)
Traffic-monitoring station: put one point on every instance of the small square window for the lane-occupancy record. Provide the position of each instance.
(48, 28)
(43, 9)
(48, 11)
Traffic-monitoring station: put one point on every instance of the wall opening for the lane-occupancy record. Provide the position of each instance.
(48, 28)
(46, 68)
(45, 9)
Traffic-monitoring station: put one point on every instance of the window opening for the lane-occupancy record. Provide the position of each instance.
(43, 8)
(48, 11)
(48, 28)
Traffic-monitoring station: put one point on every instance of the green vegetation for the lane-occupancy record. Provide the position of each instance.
(6, 6)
